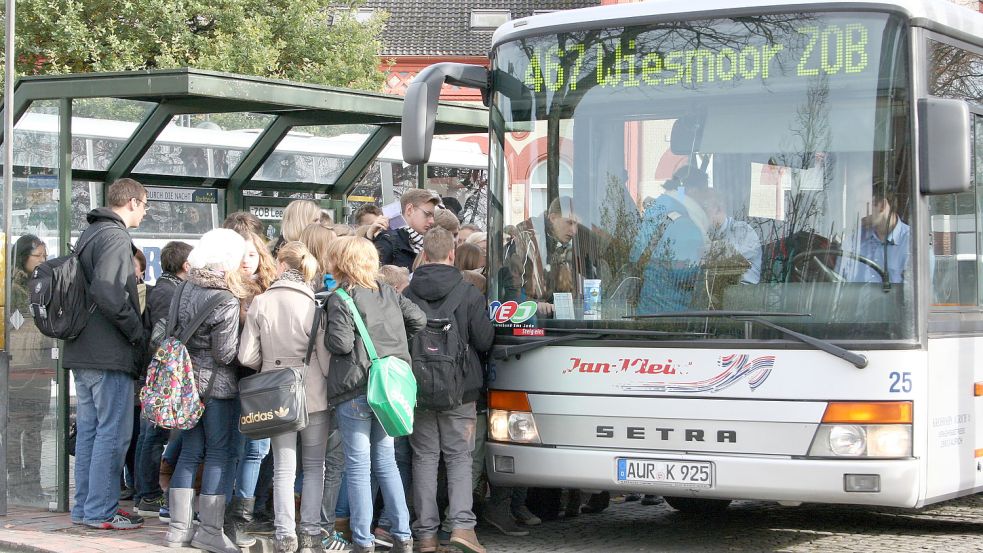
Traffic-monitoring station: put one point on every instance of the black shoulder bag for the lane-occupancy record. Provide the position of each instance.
(275, 402)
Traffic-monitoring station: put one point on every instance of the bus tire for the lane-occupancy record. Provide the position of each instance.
(697, 505)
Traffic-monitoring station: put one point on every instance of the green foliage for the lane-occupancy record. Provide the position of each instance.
(314, 41)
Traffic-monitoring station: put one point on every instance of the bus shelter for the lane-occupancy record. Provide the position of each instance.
(205, 144)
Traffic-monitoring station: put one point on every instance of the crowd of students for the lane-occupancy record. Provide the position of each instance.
(215, 479)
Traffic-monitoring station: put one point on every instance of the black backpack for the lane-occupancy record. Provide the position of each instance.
(439, 354)
(58, 294)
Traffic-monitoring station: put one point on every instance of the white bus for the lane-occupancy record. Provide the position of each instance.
(759, 275)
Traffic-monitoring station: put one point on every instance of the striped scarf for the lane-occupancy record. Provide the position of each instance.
(416, 240)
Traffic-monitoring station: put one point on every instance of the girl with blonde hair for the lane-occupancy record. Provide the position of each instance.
(276, 336)
(297, 215)
(389, 318)
(318, 239)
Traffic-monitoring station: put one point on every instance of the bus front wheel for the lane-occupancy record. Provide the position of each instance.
(697, 506)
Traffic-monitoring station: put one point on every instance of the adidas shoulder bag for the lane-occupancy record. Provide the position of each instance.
(275, 402)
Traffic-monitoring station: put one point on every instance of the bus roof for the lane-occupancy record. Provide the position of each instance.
(941, 15)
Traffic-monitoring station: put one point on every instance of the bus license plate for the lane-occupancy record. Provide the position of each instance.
(673, 473)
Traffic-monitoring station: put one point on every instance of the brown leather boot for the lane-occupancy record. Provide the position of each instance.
(428, 544)
(466, 540)
(343, 525)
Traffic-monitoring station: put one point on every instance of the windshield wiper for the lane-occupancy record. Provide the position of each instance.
(506, 351)
(717, 313)
(856, 359)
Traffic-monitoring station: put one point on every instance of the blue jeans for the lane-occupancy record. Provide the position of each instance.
(369, 450)
(150, 447)
(104, 418)
(242, 470)
(209, 440)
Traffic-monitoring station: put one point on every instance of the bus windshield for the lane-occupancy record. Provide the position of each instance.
(749, 164)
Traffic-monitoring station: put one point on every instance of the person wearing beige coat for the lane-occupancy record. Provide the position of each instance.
(276, 336)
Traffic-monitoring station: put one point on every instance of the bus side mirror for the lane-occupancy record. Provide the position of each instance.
(944, 145)
(420, 104)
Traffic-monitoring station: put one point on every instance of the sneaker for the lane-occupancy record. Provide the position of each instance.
(164, 514)
(382, 537)
(524, 516)
(335, 542)
(151, 507)
(119, 521)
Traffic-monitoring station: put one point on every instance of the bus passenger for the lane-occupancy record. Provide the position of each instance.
(391, 319)
(244, 221)
(671, 242)
(552, 253)
(30, 379)
(401, 246)
(466, 231)
(297, 215)
(274, 331)
(318, 238)
(882, 238)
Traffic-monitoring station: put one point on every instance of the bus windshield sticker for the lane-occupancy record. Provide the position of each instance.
(512, 312)
(729, 370)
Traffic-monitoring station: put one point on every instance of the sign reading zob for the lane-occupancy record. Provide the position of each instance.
(270, 213)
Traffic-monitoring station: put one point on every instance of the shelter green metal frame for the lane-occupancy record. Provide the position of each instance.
(191, 91)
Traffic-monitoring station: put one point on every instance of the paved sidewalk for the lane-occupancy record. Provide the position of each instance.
(34, 530)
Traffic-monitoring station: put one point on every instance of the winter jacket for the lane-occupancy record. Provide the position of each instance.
(213, 347)
(431, 284)
(159, 297)
(395, 249)
(391, 321)
(276, 335)
(115, 336)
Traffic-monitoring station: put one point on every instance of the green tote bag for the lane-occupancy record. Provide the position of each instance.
(392, 387)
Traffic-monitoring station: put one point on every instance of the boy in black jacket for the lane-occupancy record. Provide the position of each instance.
(450, 430)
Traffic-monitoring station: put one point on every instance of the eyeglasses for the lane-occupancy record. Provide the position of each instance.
(144, 202)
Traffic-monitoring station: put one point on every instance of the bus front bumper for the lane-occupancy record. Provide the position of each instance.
(734, 477)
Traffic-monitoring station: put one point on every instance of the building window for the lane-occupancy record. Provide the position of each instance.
(489, 20)
(537, 187)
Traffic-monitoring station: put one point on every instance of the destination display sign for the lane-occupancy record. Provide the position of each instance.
(699, 54)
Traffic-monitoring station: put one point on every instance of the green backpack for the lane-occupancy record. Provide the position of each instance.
(392, 387)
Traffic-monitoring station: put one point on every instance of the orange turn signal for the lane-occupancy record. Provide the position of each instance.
(978, 389)
(508, 401)
(880, 412)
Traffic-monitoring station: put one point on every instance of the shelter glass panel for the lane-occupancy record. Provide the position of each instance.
(203, 145)
(101, 127)
(315, 154)
(31, 424)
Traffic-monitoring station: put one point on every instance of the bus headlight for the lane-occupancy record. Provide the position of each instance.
(859, 441)
(512, 426)
(889, 440)
(847, 440)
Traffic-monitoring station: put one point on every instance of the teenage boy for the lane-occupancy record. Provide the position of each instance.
(400, 246)
(105, 358)
(439, 289)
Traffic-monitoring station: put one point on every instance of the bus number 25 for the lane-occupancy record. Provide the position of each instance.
(900, 382)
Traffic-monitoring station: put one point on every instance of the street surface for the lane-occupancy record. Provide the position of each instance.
(756, 526)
